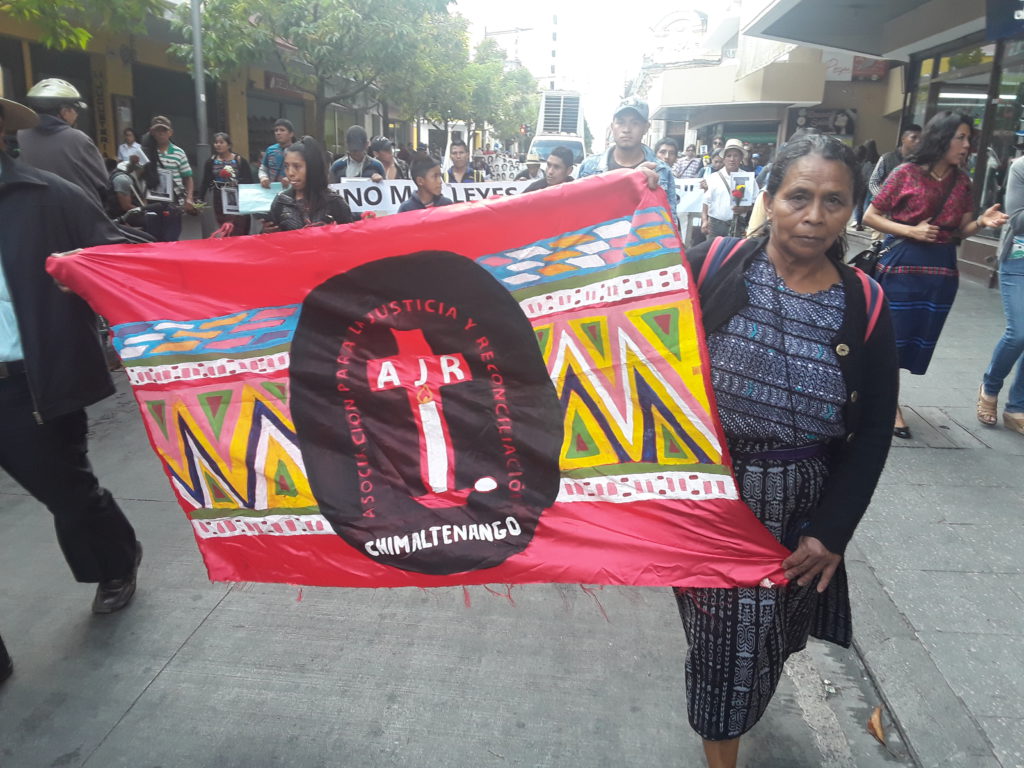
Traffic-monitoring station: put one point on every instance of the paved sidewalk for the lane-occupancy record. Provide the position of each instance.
(944, 635)
(196, 674)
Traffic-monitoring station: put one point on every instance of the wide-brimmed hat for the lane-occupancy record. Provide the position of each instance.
(733, 144)
(533, 157)
(17, 116)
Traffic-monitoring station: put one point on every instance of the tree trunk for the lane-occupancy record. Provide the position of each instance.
(320, 106)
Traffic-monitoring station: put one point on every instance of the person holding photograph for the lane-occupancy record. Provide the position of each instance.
(724, 193)
(169, 180)
(223, 172)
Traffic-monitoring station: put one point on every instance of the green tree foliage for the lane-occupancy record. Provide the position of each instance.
(433, 83)
(411, 54)
(66, 23)
(519, 106)
(485, 79)
(340, 50)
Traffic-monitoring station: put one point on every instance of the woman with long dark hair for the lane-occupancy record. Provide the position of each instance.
(307, 202)
(225, 169)
(925, 205)
(805, 383)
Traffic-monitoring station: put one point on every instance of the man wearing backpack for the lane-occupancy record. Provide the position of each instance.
(125, 190)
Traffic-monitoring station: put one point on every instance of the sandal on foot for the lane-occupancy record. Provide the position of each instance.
(1014, 421)
(986, 408)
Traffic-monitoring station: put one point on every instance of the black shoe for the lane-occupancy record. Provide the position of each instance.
(903, 433)
(6, 665)
(115, 594)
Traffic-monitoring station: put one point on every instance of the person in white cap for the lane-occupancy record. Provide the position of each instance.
(55, 145)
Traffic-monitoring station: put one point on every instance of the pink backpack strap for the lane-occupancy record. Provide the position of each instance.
(873, 298)
(722, 249)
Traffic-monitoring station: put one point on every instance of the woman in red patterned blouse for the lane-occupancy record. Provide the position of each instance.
(924, 205)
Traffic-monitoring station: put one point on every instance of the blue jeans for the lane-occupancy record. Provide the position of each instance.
(1010, 348)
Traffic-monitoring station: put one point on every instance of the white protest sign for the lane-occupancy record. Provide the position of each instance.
(384, 197)
(381, 197)
(691, 196)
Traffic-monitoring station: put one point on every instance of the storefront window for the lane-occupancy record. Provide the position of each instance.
(1006, 121)
(923, 103)
(967, 58)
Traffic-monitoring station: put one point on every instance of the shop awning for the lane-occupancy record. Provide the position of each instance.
(885, 28)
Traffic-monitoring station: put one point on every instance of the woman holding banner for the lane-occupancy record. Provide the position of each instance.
(225, 170)
(804, 368)
(308, 202)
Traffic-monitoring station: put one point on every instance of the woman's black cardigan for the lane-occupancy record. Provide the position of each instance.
(870, 371)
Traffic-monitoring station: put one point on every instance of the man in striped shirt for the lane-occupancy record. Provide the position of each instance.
(689, 166)
(173, 164)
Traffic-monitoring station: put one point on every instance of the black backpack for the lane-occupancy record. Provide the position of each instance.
(110, 202)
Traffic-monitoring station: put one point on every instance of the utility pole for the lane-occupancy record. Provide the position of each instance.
(199, 77)
(202, 147)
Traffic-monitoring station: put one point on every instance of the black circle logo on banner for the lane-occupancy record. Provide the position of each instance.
(427, 421)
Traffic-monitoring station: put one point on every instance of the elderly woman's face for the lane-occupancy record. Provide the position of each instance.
(811, 207)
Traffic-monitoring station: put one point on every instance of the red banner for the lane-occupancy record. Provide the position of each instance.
(499, 392)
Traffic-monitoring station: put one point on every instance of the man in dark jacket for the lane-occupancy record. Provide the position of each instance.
(559, 170)
(55, 145)
(357, 163)
(51, 367)
(910, 140)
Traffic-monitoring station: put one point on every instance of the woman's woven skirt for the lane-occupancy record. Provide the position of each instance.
(920, 281)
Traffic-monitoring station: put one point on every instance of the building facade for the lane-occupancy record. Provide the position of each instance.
(946, 55)
(705, 77)
(126, 80)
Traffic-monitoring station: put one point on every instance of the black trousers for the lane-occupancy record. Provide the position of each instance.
(50, 461)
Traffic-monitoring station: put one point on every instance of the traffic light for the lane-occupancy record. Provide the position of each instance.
(522, 129)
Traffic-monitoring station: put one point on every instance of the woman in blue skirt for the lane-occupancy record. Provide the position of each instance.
(925, 204)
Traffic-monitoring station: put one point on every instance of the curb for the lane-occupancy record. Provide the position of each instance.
(937, 728)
